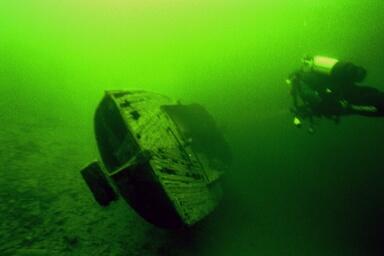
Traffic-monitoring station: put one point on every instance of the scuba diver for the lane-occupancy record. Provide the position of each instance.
(329, 88)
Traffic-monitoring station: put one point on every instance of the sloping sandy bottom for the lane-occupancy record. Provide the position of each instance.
(46, 208)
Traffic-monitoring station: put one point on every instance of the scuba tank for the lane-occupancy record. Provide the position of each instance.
(319, 64)
(342, 71)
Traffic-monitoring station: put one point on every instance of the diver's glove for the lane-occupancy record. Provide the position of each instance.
(297, 122)
(344, 104)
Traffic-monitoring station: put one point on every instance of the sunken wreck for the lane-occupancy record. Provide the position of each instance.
(164, 158)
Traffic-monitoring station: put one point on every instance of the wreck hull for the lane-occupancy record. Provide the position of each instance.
(149, 161)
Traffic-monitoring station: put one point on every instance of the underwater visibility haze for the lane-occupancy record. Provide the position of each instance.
(287, 192)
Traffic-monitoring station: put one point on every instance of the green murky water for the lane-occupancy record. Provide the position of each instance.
(288, 193)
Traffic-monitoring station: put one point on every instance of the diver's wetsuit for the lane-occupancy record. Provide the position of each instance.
(319, 95)
(364, 96)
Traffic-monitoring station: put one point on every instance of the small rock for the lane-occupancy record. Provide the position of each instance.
(72, 241)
